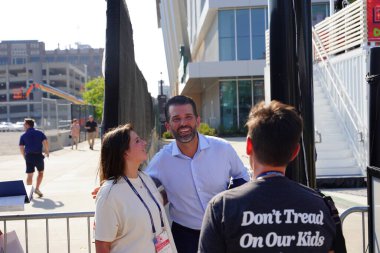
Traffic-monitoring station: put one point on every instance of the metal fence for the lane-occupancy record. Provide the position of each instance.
(59, 238)
(358, 209)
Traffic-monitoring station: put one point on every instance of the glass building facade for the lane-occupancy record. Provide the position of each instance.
(242, 34)
(236, 100)
(242, 37)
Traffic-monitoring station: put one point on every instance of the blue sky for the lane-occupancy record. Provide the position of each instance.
(66, 22)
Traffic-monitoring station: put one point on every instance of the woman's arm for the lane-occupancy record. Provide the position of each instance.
(102, 247)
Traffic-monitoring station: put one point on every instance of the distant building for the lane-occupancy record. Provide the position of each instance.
(25, 62)
(215, 53)
(29, 51)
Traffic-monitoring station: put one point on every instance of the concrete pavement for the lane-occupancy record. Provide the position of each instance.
(70, 175)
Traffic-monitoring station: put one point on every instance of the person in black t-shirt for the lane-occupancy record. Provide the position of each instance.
(271, 213)
(92, 131)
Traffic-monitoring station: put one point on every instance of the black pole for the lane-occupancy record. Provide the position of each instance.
(306, 91)
(373, 79)
(291, 75)
(161, 87)
(111, 89)
(374, 107)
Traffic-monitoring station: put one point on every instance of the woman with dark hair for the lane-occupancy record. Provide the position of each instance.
(129, 214)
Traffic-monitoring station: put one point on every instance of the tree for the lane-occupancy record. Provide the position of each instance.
(94, 95)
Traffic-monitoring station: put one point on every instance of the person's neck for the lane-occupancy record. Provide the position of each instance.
(262, 169)
(189, 149)
(131, 170)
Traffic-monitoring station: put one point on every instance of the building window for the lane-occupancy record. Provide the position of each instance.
(245, 100)
(18, 108)
(3, 60)
(258, 91)
(227, 35)
(258, 27)
(228, 112)
(242, 34)
(18, 61)
(34, 59)
(319, 12)
(234, 110)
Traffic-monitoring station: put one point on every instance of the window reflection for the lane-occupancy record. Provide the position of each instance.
(231, 104)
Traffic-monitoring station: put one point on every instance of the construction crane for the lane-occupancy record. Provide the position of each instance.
(54, 91)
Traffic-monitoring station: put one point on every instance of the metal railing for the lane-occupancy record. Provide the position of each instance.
(357, 209)
(47, 218)
(337, 34)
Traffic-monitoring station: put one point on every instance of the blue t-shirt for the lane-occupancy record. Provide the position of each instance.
(32, 140)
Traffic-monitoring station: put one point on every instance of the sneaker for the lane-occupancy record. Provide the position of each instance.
(38, 192)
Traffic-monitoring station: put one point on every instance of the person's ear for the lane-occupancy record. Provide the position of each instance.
(198, 121)
(249, 145)
(167, 125)
(295, 152)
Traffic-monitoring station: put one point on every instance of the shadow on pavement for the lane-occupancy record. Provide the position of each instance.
(44, 203)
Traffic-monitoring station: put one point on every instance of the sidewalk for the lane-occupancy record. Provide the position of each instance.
(69, 177)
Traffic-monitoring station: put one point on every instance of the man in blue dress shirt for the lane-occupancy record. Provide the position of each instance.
(192, 170)
(31, 144)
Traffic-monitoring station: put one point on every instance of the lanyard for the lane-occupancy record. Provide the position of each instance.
(270, 173)
(146, 206)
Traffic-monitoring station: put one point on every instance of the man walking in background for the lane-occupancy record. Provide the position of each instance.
(92, 131)
(31, 144)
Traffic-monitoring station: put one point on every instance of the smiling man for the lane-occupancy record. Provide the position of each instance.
(192, 170)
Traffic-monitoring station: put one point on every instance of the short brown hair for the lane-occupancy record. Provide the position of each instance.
(29, 122)
(275, 130)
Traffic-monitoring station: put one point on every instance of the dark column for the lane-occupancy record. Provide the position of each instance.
(374, 107)
(291, 75)
(111, 89)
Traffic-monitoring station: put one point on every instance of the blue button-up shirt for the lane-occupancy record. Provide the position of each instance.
(190, 183)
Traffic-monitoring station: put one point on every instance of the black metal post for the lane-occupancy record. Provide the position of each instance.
(111, 89)
(291, 75)
(374, 107)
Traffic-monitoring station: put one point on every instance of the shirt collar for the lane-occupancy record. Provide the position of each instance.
(202, 144)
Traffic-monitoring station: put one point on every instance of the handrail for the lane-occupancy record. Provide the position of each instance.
(356, 209)
(327, 62)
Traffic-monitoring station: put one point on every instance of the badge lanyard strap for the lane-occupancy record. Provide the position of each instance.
(145, 205)
(270, 173)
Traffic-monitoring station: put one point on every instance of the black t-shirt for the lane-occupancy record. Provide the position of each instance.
(269, 215)
(93, 125)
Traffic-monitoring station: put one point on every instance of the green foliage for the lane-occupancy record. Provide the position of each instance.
(233, 131)
(167, 135)
(205, 129)
(94, 95)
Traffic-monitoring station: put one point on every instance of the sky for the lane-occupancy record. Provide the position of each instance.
(62, 24)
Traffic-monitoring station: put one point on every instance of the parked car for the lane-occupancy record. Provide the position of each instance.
(18, 126)
(6, 126)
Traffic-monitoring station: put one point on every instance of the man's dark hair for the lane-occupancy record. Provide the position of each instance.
(275, 131)
(179, 100)
(29, 122)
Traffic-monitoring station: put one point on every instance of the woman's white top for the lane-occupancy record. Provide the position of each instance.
(121, 217)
